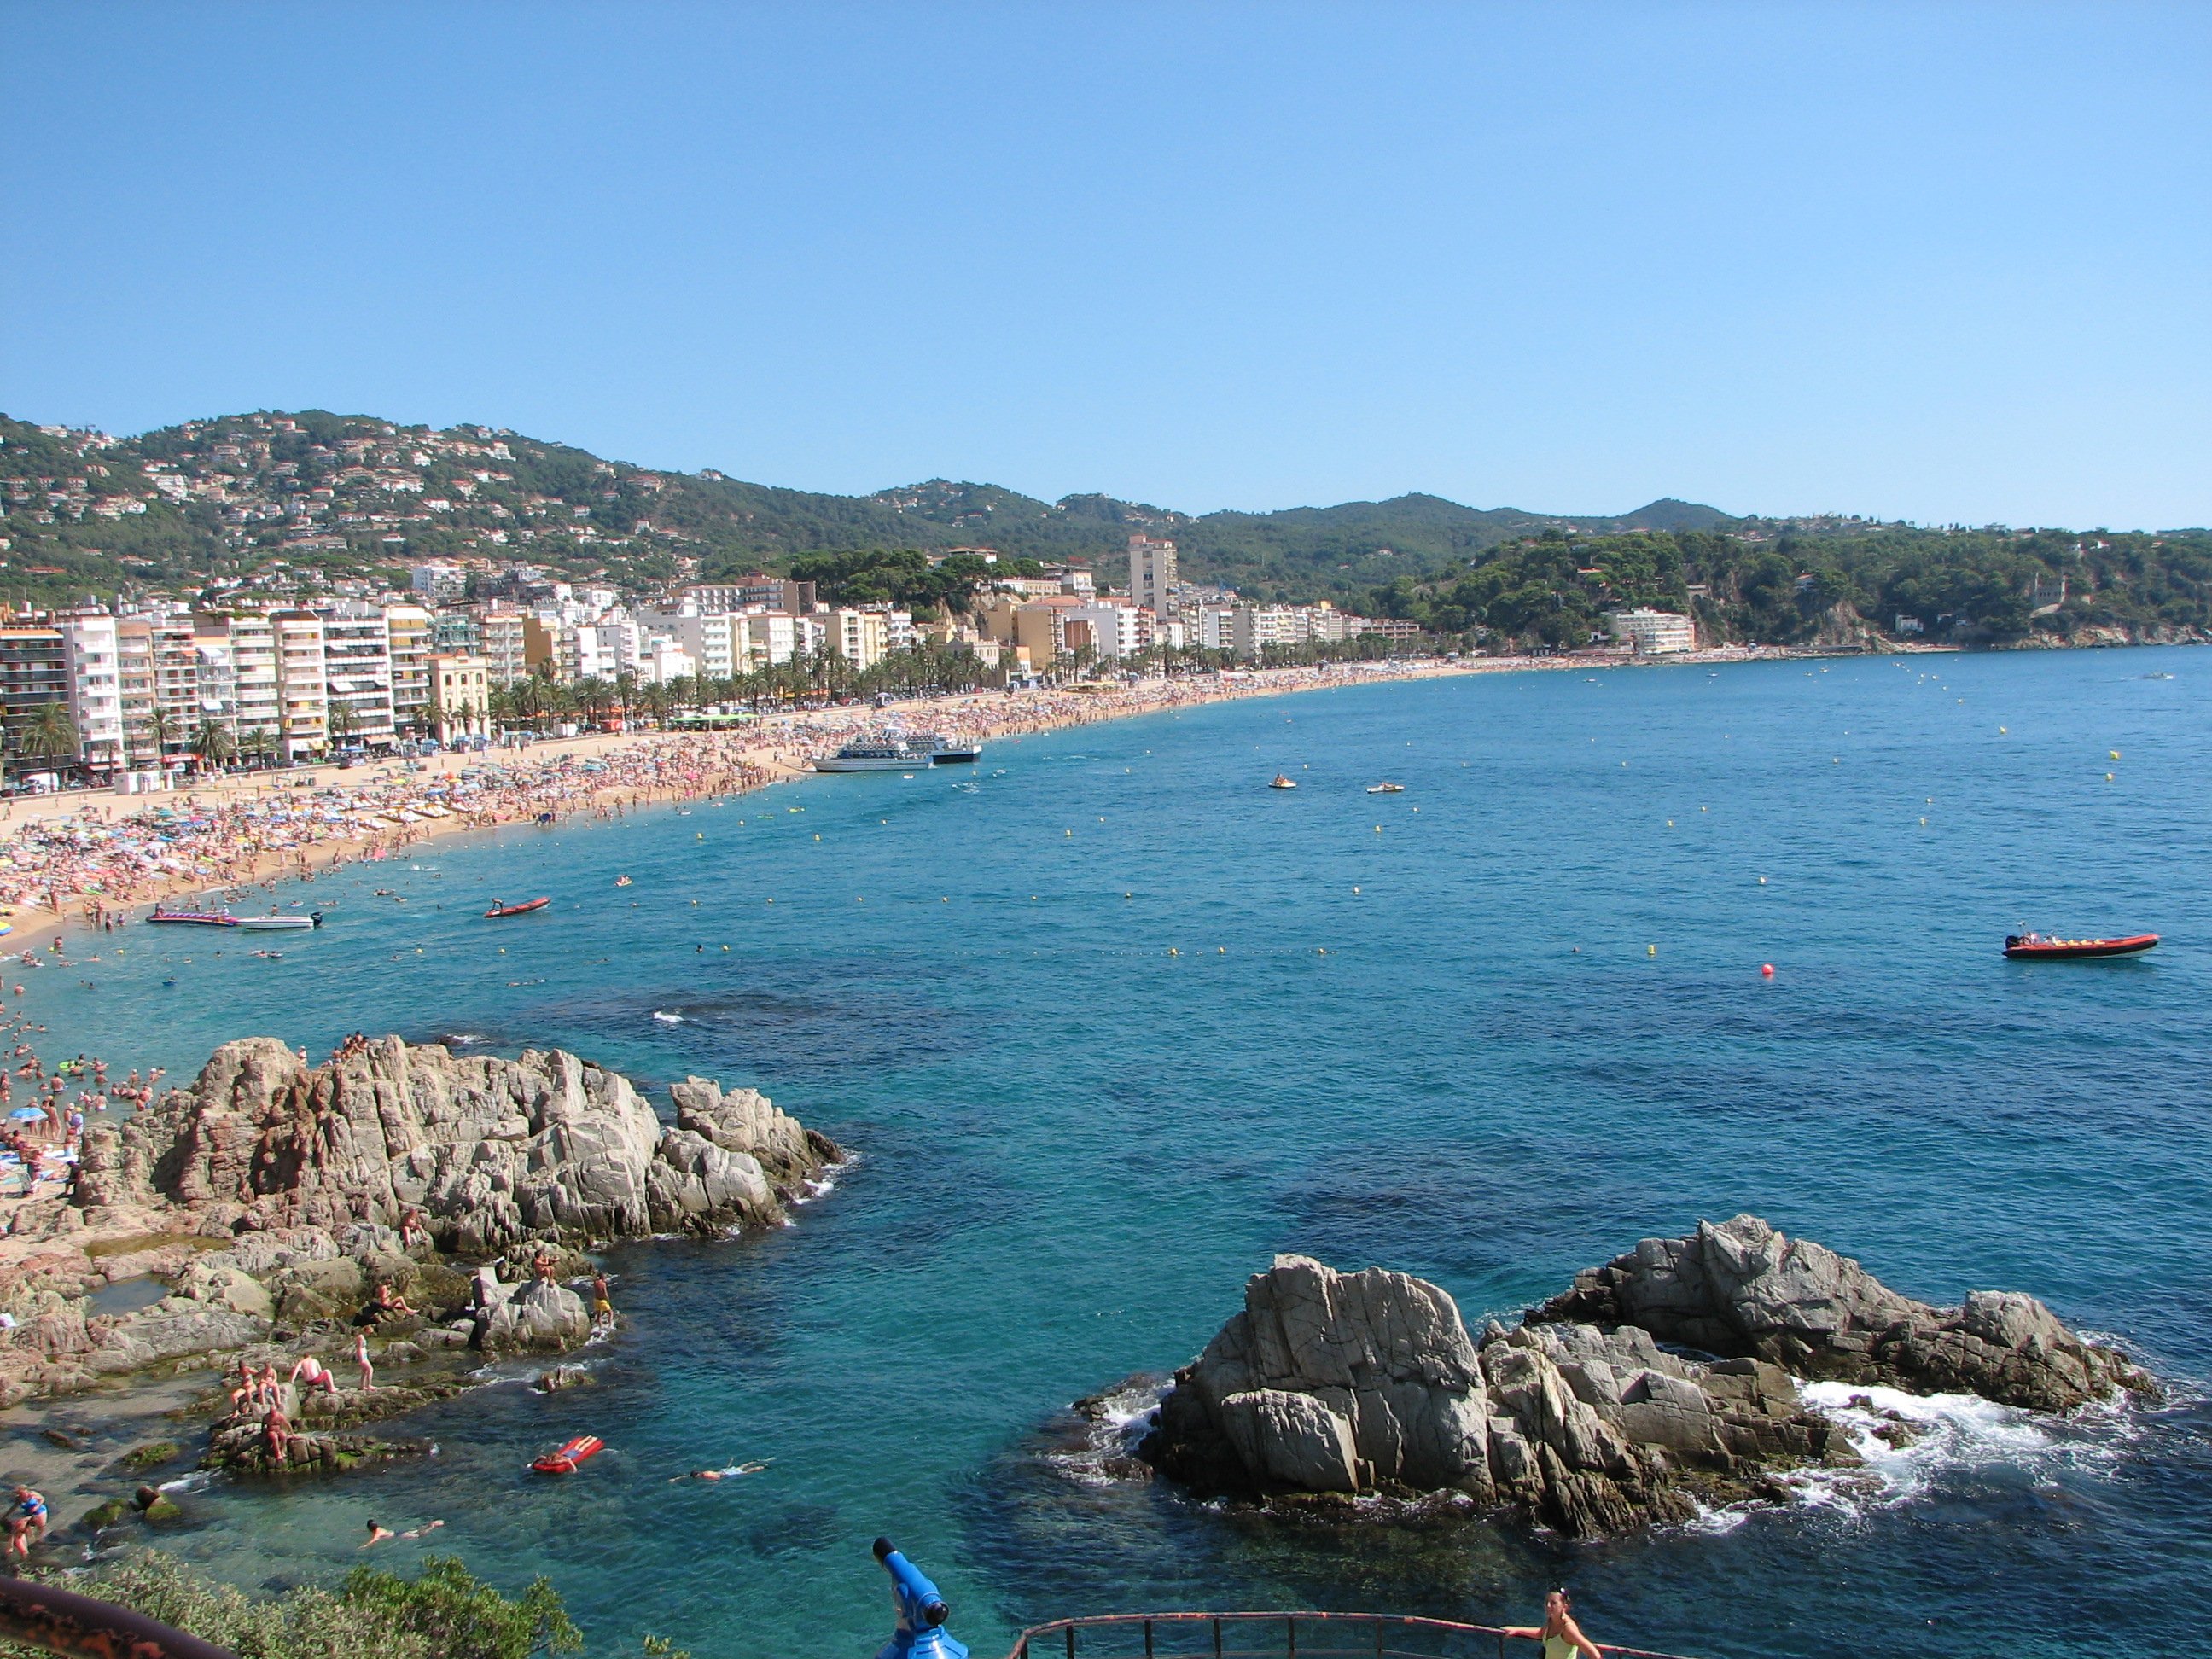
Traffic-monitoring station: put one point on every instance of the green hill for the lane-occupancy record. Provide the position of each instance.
(272, 502)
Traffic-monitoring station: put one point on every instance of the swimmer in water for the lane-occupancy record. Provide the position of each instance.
(728, 1473)
(377, 1535)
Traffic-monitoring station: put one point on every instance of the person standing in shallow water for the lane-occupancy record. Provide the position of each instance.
(1562, 1637)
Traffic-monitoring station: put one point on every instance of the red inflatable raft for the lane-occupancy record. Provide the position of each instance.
(571, 1453)
(2042, 946)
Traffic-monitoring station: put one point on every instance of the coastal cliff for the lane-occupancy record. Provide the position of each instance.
(1368, 1383)
(489, 1152)
(279, 1200)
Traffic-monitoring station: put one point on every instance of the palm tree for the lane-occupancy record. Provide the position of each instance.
(214, 744)
(343, 724)
(157, 731)
(260, 746)
(51, 733)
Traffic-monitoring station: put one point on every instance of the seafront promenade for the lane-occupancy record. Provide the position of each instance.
(98, 856)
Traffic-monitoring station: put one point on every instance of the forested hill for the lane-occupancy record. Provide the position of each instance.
(278, 501)
(227, 497)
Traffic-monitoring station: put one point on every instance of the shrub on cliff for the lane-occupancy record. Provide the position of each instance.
(443, 1613)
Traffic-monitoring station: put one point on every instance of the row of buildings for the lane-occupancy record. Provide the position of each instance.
(147, 683)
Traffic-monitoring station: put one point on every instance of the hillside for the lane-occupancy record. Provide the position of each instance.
(268, 496)
(270, 502)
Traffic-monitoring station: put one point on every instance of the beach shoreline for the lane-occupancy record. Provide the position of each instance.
(643, 769)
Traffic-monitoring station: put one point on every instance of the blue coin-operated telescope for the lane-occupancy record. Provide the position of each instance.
(921, 1612)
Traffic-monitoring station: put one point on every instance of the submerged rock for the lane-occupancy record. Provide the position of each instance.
(1739, 1288)
(1343, 1384)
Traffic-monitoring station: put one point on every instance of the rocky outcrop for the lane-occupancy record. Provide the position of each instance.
(1741, 1288)
(490, 1152)
(1368, 1382)
(536, 1315)
(1332, 1383)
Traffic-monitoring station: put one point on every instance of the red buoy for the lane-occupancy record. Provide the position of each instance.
(1767, 970)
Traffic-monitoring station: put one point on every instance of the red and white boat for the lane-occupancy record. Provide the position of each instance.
(2045, 947)
(571, 1452)
(194, 918)
(522, 910)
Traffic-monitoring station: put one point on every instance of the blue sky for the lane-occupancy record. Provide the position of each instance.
(1945, 263)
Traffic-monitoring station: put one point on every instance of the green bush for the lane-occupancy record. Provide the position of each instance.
(445, 1613)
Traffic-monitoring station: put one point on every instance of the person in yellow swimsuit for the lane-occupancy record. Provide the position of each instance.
(1562, 1637)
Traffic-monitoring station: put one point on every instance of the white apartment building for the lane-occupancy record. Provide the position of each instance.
(302, 685)
(861, 637)
(760, 638)
(1216, 627)
(92, 661)
(499, 643)
(357, 675)
(134, 656)
(714, 642)
(1152, 573)
(245, 643)
(1117, 631)
(439, 583)
(411, 631)
(1254, 628)
(662, 661)
(1654, 633)
(606, 650)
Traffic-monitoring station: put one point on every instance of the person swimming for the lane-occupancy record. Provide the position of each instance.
(730, 1472)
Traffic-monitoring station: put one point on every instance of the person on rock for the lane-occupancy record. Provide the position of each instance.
(1562, 1637)
(277, 1434)
(389, 1302)
(311, 1373)
(26, 1521)
(603, 1307)
(360, 1359)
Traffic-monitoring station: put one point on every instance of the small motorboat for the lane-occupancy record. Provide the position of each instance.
(2044, 947)
(521, 909)
(1386, 788)
(193, 918)
(570, 1453)
(1278, 781)
(275, 923)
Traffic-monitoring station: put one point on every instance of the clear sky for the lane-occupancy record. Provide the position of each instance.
(1945, 263)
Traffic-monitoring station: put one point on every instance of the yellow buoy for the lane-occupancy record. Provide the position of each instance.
(947, 899)
(2108, 777)
(2002, 732)
(1223, 949)
(1378, 828)
(701, 834)
(817, 835)
(1355, 891)
(1670, 823)
(1650, 949)
(2115, 754)
(1071, 834)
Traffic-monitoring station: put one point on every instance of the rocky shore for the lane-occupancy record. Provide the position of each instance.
(1329, 1385)
(439, 1203)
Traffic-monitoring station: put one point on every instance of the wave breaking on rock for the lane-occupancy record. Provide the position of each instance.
(1330, 1386)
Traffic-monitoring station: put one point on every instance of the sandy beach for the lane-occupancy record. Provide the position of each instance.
(100, 859)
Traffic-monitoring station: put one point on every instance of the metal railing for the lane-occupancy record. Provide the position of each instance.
(62, 1621)
(1271, 1636)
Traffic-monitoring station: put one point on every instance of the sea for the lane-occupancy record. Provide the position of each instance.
(1107, 1023)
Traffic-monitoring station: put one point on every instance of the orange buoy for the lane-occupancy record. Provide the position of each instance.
(1767, 970)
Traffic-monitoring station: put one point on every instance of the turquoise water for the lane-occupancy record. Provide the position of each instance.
(1425, 1031)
